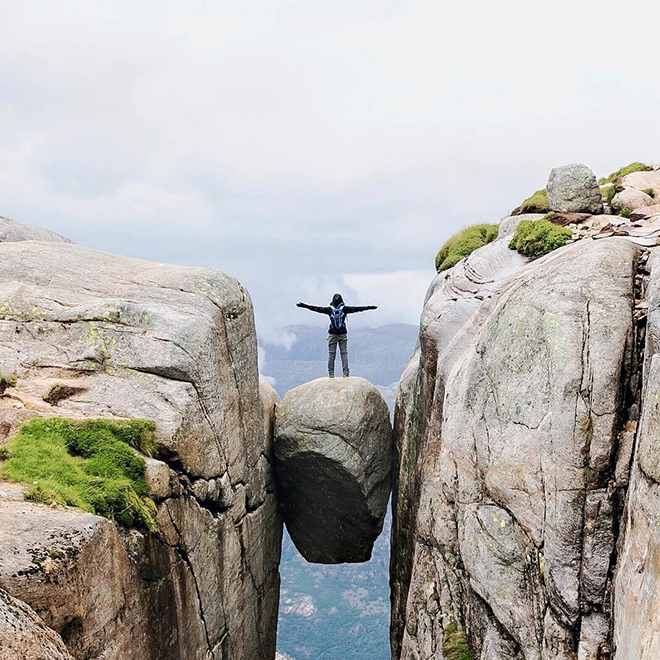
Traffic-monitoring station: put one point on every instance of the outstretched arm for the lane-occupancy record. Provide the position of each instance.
(364, 308)
(314, 308)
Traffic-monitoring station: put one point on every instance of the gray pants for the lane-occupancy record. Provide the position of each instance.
(333, 340)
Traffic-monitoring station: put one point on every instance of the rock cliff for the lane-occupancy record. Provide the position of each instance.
(24, 635)
(637, 584)
(119, 338)
(526, 489)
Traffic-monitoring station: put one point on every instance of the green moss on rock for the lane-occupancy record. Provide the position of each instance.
(463, 243)
(608, 190)
(536, 203)
(628, 169)
(6, 381)
(534, 238)
(87, 464)
(455, 645)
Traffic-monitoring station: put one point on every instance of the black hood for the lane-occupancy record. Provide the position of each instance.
(337, 300)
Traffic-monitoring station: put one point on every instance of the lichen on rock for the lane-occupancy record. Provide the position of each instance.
(573, 188)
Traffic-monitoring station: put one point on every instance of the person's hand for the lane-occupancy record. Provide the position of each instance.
(300, 304)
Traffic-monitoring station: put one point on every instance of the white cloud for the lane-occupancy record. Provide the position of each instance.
(261, 356)
(289, 142)
(276, 335)
(399, 295)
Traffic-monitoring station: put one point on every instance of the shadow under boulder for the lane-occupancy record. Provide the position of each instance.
(333, 445)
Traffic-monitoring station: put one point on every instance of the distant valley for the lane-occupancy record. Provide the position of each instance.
(377, 354)
(337, 612)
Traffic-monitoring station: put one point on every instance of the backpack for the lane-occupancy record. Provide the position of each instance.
(337, 317)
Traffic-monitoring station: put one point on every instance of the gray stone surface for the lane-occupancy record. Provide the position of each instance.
(11, 231)
(23, 635)
(630, 199)
(637, 585)
(177, 345)
(333, 449)
(506, 429)
(509, 224)
(644, 181)
(574, 188)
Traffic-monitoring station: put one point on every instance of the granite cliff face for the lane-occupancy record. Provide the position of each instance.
(526, 485)
(122, 338)
(637, 583)
(24, 635)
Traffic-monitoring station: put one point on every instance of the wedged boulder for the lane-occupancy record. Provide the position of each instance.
(23, 634)
(574, 188)
(508, 432)
(12, 231)
(89, 334)
(333, 450)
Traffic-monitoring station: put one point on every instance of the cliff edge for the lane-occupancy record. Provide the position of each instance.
(86, 335)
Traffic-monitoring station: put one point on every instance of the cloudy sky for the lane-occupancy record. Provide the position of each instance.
(314, 145)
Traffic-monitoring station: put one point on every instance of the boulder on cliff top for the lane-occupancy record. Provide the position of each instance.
(333, 449)
(574, 188)
(12, 232)
(630, 199)
(24, 635)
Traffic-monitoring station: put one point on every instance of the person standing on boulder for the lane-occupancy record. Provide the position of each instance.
(337, 333)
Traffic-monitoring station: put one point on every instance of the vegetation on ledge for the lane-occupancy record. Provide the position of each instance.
(6, 381)
(615, 177)
(463, 243)
(455, 645)
(536, 203)
(608, 190)
(89, 464)
(534, 238)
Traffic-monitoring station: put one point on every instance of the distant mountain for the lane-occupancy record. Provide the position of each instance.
(337, 612)
(377, 354)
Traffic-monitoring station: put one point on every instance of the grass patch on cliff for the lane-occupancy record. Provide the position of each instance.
(586, 425)
(87, 464)
(454, 644)
(628, 169)
(463, 243)
(536, 203)
(534, 238)
(607, 192)
(6, 381)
